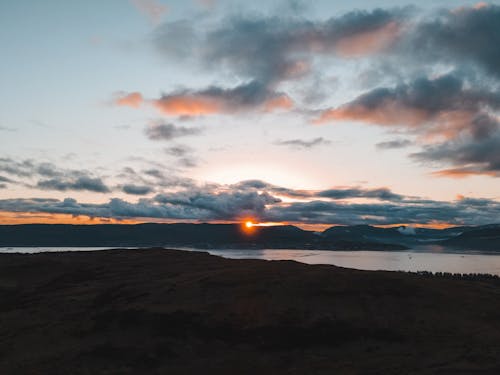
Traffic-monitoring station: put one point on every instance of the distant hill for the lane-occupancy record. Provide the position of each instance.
(356, 237)
(485, 238)
(481, 238)
(181, 234)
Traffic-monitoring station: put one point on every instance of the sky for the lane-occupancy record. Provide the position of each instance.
(310, 113)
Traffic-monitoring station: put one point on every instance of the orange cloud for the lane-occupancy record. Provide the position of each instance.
(280, 102)
(393, 113)
(368, 42)
(475, 7)
(481, 5)
(390, 113)
(133, 100)
(251, 96)
(188, 105)
(12, 218)
(451, 123)
(463, 172)
(199, 105)
(296, 69)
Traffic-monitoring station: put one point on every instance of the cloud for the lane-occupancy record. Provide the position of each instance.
(285, 46)
(5, 179)
(370, 41)
(51, 177)
(216, 100)
(80, 183)
(154, 10)
(187, 162)
(453, 118)
(472, 154)
(137, 189)
(465, 35)
(270, 50)
(178, 151)
(444, 100)
(155, 177)
(165, 132)
(263, 52)
(185, 200)
(133, 99)
(24, 168)
(299, 143)
(183, 155)
(464, 172)
(383, 194)
(234, 202)
(395, 143)
(347, 213)
(259, 185)
(224, 205)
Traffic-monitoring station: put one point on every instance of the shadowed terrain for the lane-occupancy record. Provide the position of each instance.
(166, 311)
(209, 236)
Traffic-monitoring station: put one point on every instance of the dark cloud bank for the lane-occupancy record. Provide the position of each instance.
(265, 202)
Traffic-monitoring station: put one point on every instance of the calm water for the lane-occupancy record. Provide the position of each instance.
(433, 261)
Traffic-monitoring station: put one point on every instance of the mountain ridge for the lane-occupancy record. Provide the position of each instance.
(206, 235)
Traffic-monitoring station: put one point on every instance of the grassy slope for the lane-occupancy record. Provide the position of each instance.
(175, 312)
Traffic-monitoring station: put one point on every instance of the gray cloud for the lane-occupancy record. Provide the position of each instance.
(237, 201)
(187, 162)
(155, 177)
(166, 132)
(300, 143)
(264, 51)
(416, 103)
(463, 36)
(477, 154)
(178, 151)
(285, 46)
(25, 168)
(182, 153)
(450, 113)
(261, 200)
(80, 183)
(383, 194)
(395, 143)
(225, 205)
(48, 176)
(137, 189)
(253, 95)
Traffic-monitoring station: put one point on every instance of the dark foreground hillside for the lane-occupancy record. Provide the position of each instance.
(172, 312)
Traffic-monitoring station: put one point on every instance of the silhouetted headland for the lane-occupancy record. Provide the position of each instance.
(157, 311)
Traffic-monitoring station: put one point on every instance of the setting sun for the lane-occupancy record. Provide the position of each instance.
(248, 224)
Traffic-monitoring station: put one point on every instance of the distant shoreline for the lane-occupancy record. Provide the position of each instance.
(410, 261)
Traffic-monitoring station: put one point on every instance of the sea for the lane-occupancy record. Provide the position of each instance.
(428, 259)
